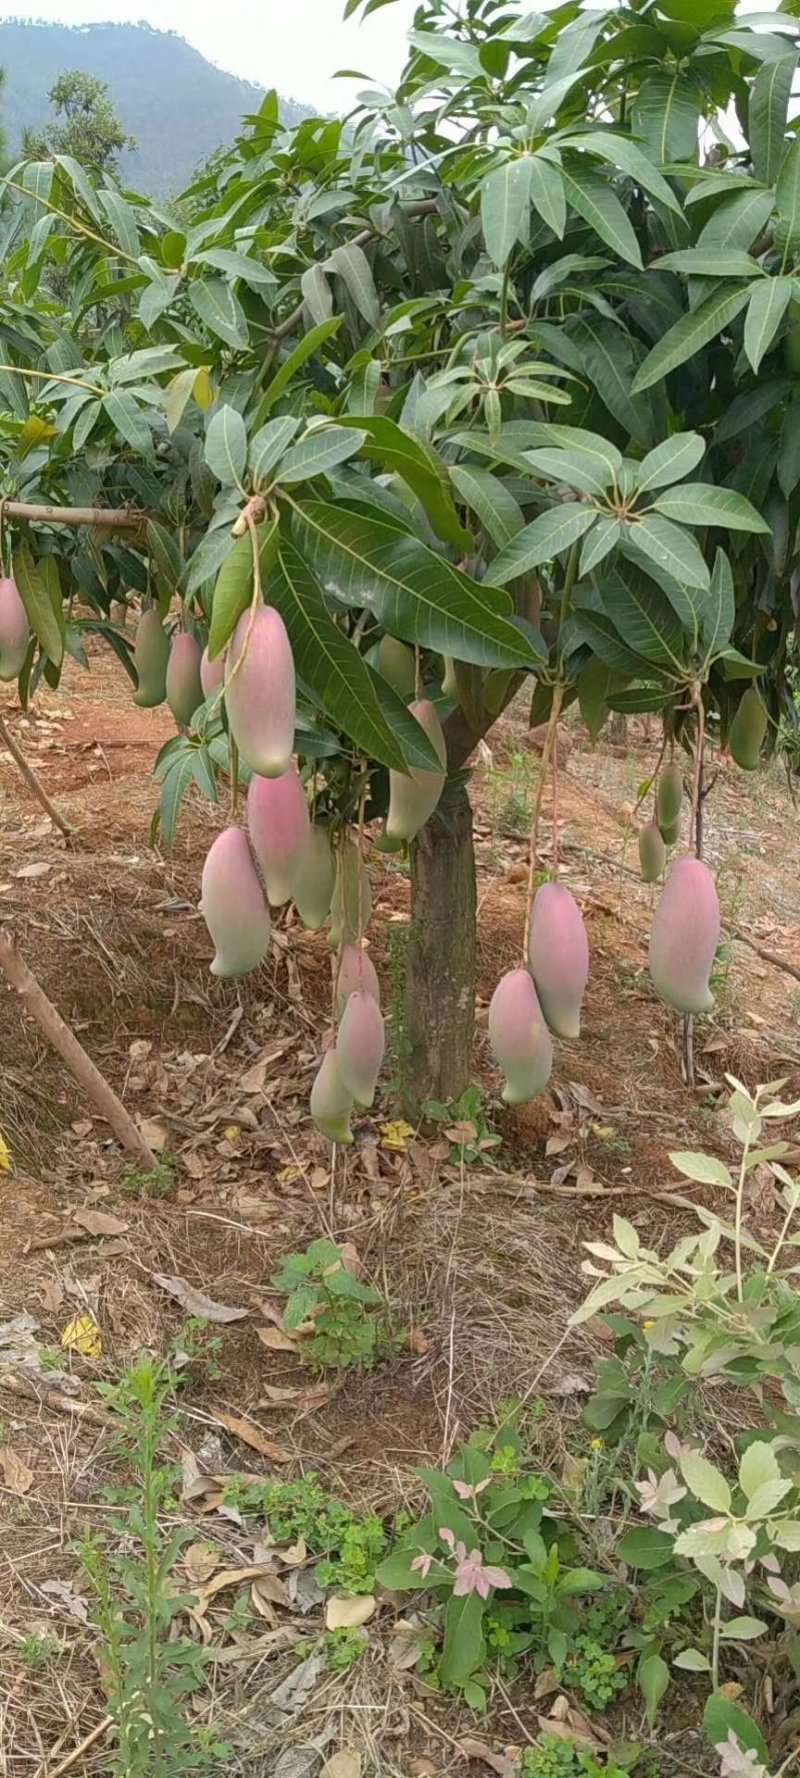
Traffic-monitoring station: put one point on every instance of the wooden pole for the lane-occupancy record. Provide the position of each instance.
(100, 517)
(33, 783)
(57, 1032)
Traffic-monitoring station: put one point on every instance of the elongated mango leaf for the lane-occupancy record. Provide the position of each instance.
(765, 311)
(415, 594)
(611, 357)
(767, 113)
(547, 194)
(327, 661)
(315, 337)
(655, 539)
(505, 202)
(621, 152)
(666, 117)
(491, 501)
(269, 444)
(543, 540)
(573, 466)
(220, 311)
(720, 606)
(690, 334)
(593, 199)
(643, 616)
(418, 465)
(736, 222)
(595, 627)
(710, 262)
(670, 461)
(234, 586)
(320, 450)
(35, 596)
(700, 503)
(355, 271)
(226, 446)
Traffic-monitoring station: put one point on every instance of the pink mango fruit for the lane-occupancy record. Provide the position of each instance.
(360, 1047)
(413, 796)
(357, 975)
(559, 957)
(212, 673)
(15, 631)
(521, 1043)
(260, 691)
(233, 906)
(184, 685)
(684, 937)
(316, 878)
(278, 819)
(331, 1104)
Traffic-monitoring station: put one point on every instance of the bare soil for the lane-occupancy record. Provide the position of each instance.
(481, 1264)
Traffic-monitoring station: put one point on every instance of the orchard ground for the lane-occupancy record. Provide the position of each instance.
(479, 1263)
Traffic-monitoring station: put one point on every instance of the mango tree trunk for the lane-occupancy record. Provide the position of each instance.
(441, 964)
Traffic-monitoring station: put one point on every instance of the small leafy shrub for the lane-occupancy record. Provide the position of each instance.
(151, 1670)
(157, 1184)
(592, 1672)
(35, 1649)
(320, 1289)
(348, 1545)
(503, 1574)
(553, 1758)
(465, 1126)
(343, 1648)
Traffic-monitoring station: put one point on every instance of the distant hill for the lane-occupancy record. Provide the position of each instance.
(178, 106)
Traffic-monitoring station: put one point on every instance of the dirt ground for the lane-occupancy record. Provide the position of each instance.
(481, 1263)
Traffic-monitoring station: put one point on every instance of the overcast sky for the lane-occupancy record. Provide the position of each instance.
(294, 45)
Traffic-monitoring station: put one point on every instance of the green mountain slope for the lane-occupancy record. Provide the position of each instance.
(177, 105)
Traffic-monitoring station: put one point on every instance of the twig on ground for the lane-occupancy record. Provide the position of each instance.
(90, 1740)
(34, 784)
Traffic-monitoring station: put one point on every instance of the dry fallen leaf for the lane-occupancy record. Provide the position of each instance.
(17, 1476)
(275, 1340)
(252, 1435)
(200, 1560)
(82, 1335)
(155, 1134)
(33, 870)
(195, 1302)
(302, 1398)
(227, 1577)
(342, 1765)
(100, 1222)
(350, 1613)
(497, 1762)
(268, 1590)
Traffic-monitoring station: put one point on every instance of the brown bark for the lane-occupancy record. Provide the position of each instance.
(440, 976)
(103, 518)
(57, 1032)
(33, 782)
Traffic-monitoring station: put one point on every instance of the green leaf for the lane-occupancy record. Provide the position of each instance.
(415, 594)
(219, 310)
(666, 117)
(787, 190)
(594, 200)
(125, 414)
(573, 466)
(178, 396)
(237, 265)
(721, 1715)
(123, 220)
(643, 616)
(690, 1660)
(419, 466)
(743, 1629)
(720, 606)
(596, 628)
(567, 438)
(463, 1647)
(655, 539)
(704, 1169)
(593, 684)
(355, 271)
(611, 359)
(35, 595)
(547, 194)
(758, 1465)
(603, 537)
(701, 503)
(736, 222)
(705, 1481)
(765, 311)
(234, 586)
(164, 552)
(645, 1548)
(327, 661)
(174, 788)
(710, 262)
(448, 52)
(690, 334)
(491, 501)
(225, 447)
(317, 452)
(621, 152)
(542, 541)
(269, 444)
(317, 294)
(653, 1679)
(671, 461)
(315, 337)
(505, 202)
(768, 107)
(788, 469)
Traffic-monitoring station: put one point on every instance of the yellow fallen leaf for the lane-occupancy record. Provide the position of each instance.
(5, 1155)
(82, 1334)
(395, 1135)
(349, 1613)
(288, 1175)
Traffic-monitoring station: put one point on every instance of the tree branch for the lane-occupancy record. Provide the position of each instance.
(102, 518)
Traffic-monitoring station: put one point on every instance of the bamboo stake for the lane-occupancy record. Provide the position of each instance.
(100, 517)
(102, 1096)
(34, 784)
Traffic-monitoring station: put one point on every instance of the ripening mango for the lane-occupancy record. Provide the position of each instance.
(413, 796)
(748, 729)
(684, 937)
(671, 833)
(360, 1047)
(212, 673)
(449, 680)
(279, 824)
(521, 1043)
(357, 975)
(348, 900)
(652, 852)
(331, 1104)
(233, 906)
(397, 664)
(15, 631)
(260, 691)
(184, 686)
(151, 659)
(559, 957)
(315, 878)
(669, 795)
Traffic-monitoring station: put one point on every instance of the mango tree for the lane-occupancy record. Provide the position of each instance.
(504, 371)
